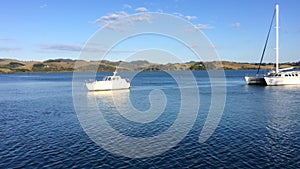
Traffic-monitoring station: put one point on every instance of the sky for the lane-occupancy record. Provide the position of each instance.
(237, 29)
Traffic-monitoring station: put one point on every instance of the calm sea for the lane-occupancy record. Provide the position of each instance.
(39, 127)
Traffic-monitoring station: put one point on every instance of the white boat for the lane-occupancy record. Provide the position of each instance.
(286, 76)
(113, 82)
(283, 77)
(259, 80)
(255, 80)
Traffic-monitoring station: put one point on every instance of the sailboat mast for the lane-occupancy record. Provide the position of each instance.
(277, 38)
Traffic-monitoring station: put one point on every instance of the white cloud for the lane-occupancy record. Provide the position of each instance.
(141, 17)
(6, 39)
(43, 6)
(8, 49)
(125, 23)
(190, 17)
(111, 17)
(69, 47)
(62, 47)
(121, 20)
(125, 6)
(141, 9)
(159, 11)
(204, 26)
(236, 25)
(178, 14)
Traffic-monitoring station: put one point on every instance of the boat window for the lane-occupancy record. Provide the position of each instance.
(293, 75)
(279, 75)
(286, 75)
(289, 74)
(296, 74)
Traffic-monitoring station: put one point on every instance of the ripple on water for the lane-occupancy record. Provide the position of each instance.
(39, 127)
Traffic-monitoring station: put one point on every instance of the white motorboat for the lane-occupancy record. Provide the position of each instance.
(283, 77)
(113, 82)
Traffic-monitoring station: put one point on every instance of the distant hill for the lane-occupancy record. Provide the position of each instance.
(59, 60)
(67, 65)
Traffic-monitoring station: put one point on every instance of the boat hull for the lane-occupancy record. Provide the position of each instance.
(254, 80)
(107, 85)
(276, 81)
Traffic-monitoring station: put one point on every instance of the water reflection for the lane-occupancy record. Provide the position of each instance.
(121, 102)
(109, 97)
(281, 104)
(111, 120)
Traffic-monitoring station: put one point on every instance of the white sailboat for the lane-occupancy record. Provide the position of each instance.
(286, 76)
(113, 82)
(283, 77)
(259, 80)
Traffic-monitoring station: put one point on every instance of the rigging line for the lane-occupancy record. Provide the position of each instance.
(263, 53)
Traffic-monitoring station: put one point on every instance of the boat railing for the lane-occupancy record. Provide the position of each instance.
(285, 69)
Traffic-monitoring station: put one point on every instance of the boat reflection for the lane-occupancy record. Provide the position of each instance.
(285, 87)
(109, 100)
(120, 101)
(109, 95)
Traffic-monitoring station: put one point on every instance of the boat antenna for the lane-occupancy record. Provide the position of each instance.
(268, 35)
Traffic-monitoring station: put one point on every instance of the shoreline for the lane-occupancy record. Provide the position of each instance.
(65, 72)
(9, 66)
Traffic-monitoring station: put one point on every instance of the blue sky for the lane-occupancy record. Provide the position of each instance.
(42, 29)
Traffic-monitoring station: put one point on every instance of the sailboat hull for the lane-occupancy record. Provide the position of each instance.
(254, 80)
(290, 79)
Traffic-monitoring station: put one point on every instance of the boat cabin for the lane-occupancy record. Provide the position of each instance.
(288, 74)
(111, 78)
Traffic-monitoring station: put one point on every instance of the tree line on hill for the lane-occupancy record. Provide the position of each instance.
(67, 65)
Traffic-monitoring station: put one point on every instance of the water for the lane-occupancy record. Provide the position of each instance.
(39, 127)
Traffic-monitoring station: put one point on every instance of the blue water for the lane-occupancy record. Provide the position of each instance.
(39, 127)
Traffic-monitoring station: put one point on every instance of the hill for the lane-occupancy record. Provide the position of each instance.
(67, 65)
